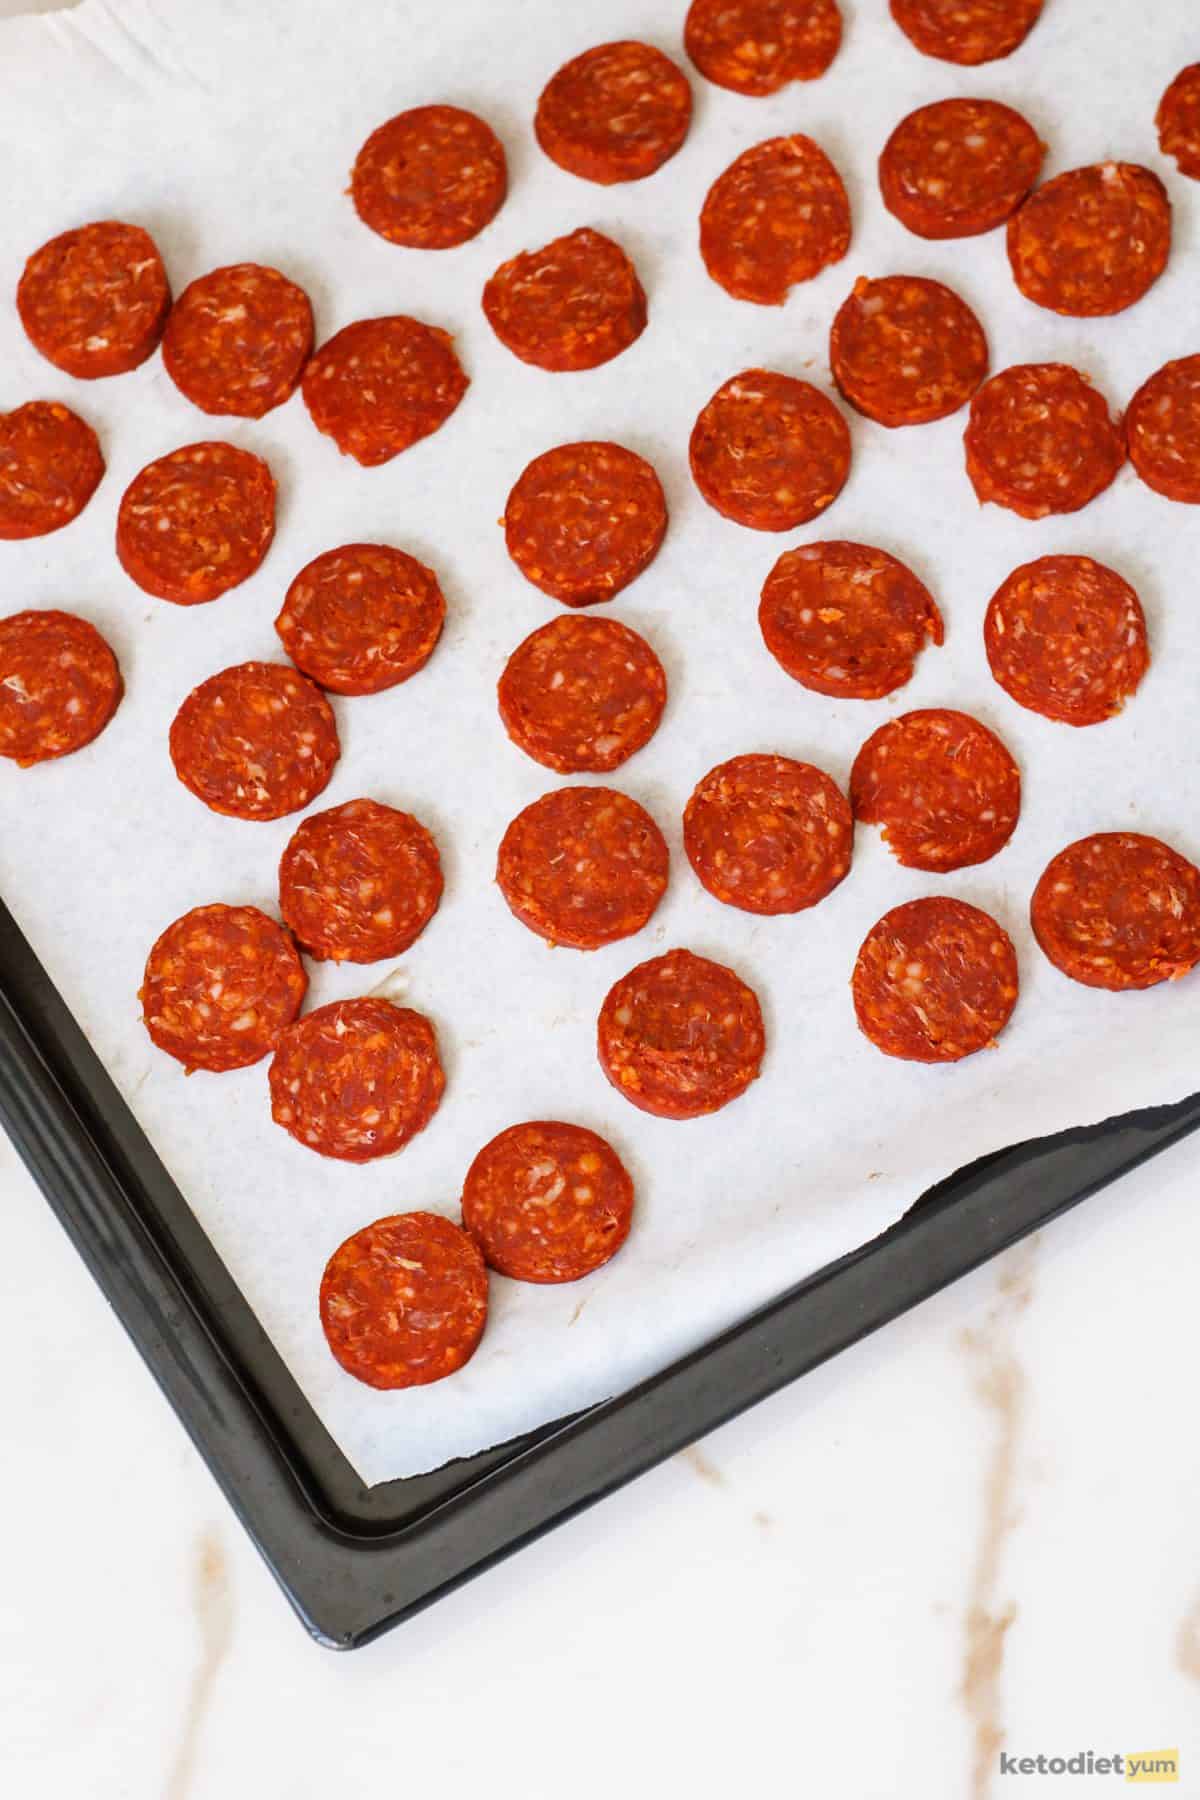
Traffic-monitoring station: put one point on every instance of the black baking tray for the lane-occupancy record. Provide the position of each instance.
(355, 1560)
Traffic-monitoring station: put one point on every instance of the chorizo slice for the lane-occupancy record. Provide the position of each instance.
(847, 620)
(50, 466)
(1041, 440)
(356, 1079)
(362, 618)
(966, 31)
(1091, 241)
(777, 216)
(767, 834)
(583, 866)
(95, 300)
(379, 386)
(1178, 121)
(1066, 637)
(574, 304)
(943, 787)
(359, 882)
(546, 1201)
(220, 985)
(757, 46)
(581, 695)
(905, 351)
(430, 178)
(615, 113)
(237, 340)
(404, 1301)
(681, 1036)
(584, 520)
(256, 741)
(1162, 430)
(59, 685)
(935, 980)
(196, 523)
(1119, 910)
(959, 167)
(769, 452)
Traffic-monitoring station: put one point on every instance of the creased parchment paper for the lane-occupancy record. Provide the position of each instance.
(229, 130)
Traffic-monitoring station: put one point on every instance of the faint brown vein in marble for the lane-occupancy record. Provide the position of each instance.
(1187, 1649)
(700, 1465)
(212, 1603)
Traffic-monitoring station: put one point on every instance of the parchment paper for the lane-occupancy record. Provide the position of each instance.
(228, 130)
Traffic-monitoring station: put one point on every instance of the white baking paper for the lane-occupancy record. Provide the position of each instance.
(228, 129)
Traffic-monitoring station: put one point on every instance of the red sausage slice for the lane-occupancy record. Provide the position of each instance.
(430, 178)
(935, 981)
(237, 340)
(404, 1301)
(582, 695)
(359, 882)
(1066, 637)
(362, 618)
(547, 1202)
(959, 167)
(1162, 429)
(572, 305)
(197, 522)
(680, 1036)
(50, 466)
(944, 788)
(1040, 440)
(769, 452)
(585, 520)
(94, 301)
(356, 1079)
(967, 31)
(59, 685)
(255, 742)
(616, 113)
(583, 866)
(767, 834)
(905, 350)
(380, 385)
(757, 46)
(1118, 910)
(1091, 241)
(846, 619)
(220, 985)
(1178, 121)
(777, 216)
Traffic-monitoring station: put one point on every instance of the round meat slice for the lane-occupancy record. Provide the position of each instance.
(356, 1079)
(1040, 440)
(905, 350)
(94, 301)
(585, 520)
(359, 882)
(935, 980)
(616, 113)
(50, 466)
(777, 216)
(380, 385)
(430, 178)
(846, 619)
(583, 866)
(959, 167)
(1162, 429)
(404, 1301)
(574, 304)
(757, 46)
(1066, 637)
(220, 985)
(1091, 241)
(1118, 910)
(547, 1202)
(362, 618)
(197, 522)
(769, 452)
(680, 1036)
(944, 788)
(581, 695)
(767, 834)
(967, 31)
(59, 685)
(255, 742)
(237, 340)
(1178, 121)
